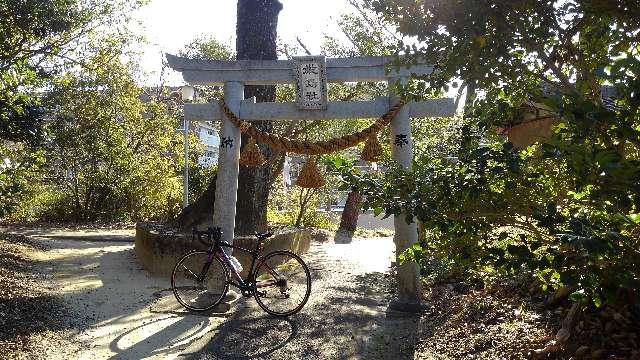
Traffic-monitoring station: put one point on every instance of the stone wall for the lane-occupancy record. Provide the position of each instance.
(159, 248)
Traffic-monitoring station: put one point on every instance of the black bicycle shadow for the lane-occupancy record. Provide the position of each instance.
(165, 303)
(352, 321)
(246, 336)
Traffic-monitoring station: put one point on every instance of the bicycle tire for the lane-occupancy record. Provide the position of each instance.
(209, 292)
(286, 264)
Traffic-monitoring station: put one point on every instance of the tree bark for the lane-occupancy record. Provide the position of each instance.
(349, 218)
(256, 35)
(199, 212)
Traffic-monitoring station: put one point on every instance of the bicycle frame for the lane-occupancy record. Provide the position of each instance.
(249, 284)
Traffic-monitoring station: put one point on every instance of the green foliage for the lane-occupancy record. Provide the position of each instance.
(29, 31)
(300, 207)
(207, 48)
(59, 63)
(18, 169)
(367, 35)
(315, 219)
(41, 38)
(199, 179)
(110, 153)
(370, 233)
(564, 209)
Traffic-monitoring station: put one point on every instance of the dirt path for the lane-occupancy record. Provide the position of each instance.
(116, 309)
(122, 313)
(345, 317)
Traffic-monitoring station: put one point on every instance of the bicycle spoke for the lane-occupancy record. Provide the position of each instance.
(199, 292)
(290, 285)
(190, 272)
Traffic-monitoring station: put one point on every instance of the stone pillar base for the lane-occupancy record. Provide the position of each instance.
(408, 308)
(343, 237)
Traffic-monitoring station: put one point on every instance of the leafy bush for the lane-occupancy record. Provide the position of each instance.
(499, 209)
(299, 207)
(199, 178)
(565, 209)
(19, 168)
(44, 203)
(113, 156)
(316, 219)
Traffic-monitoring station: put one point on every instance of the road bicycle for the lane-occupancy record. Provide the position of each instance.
(279, 280)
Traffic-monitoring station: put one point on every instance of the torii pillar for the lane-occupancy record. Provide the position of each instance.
(224, 207)
(405, 235)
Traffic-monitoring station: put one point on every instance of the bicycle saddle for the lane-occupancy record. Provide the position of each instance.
(263, 236)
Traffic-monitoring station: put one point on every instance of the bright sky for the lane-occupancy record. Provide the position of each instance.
(169, 25)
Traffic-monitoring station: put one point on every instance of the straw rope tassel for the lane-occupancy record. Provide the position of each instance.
(310, 176)
(251, 154)
(372, 150)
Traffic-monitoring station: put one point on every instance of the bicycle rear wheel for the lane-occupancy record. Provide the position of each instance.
(199, 294)
(283, 283)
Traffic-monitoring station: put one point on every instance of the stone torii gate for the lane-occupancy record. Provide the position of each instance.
(233, 75)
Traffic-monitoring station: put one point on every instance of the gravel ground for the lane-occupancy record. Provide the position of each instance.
(80, 294)
(345, 317)
(111, 309)
(33, 324)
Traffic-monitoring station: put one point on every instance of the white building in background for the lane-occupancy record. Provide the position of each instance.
(286, 172)
(207, 132)
(208, 135)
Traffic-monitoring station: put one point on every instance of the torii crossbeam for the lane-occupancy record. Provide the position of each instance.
(233, 75)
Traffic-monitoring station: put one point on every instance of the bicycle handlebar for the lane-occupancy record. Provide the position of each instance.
(212, 233)
(265, 235)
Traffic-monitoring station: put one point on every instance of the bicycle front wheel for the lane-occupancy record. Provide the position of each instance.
(196, 285)
(283, 283)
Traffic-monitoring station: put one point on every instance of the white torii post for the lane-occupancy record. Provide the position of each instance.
(235, 74)
(405, 235)
(224, 207)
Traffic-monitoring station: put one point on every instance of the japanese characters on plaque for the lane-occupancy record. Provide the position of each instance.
(311, 82)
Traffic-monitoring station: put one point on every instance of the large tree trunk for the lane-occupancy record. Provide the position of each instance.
(257, 21)
(256, 34)
(349, 218)
(198, 213)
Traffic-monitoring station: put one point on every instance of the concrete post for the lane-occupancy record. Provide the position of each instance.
(408, 274)
(185, 181)
(224, 209)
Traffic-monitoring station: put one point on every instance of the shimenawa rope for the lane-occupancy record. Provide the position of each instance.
(285, 144)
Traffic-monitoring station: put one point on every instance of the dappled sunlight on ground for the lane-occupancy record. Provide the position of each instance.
(117, 310)
(345, 317)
